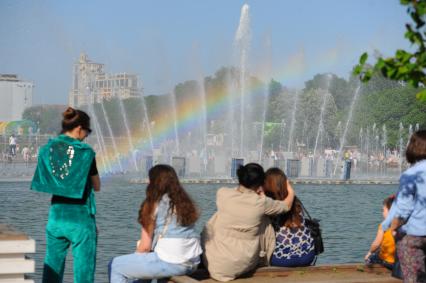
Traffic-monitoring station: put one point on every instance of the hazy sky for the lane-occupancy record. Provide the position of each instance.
(166, 42)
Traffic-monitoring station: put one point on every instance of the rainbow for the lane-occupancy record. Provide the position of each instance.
(188, 114)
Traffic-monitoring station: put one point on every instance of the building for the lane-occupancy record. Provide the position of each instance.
(15, 96)
(91, 84)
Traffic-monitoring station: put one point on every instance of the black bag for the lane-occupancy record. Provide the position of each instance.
(314, 227)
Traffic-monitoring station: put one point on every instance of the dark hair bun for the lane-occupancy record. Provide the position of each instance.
(251, 175)
(74, 118)
(69, 114)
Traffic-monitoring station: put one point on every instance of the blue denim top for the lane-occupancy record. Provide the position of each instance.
(410, 202)
(174, 229)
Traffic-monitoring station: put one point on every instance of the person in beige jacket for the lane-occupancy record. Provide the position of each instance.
(239, 237)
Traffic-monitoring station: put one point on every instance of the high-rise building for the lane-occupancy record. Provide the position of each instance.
(91, 84)
(15, 96)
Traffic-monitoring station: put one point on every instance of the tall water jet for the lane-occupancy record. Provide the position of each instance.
(373, 139)
(231, 117)
(146, 122)
(129, 136)
(384, 140)
(203, 102)
(321, 120)
(112, 137)
(267, 66)
(367, 149)
(323, 106)
(242, 39)
(173, 98)
(293, 122)
(345, 131)
(98, 132)
(401, 145)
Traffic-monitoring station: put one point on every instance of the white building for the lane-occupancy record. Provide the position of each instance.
(15, 96)
(91, 84)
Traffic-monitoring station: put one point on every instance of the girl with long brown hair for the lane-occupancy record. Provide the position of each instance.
(294, 243)
(169, 245)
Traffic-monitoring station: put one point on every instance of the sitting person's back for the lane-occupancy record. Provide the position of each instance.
(294, 246)
(294, 243)
(232, 236)
(382, 249)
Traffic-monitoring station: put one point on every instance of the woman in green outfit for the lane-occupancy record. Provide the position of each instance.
(66, 169)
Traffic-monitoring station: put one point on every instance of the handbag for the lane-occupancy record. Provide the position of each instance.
(314, 227)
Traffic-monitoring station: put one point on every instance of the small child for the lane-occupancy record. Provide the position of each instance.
(382, 249)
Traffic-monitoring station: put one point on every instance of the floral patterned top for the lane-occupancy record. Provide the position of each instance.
(293, 242)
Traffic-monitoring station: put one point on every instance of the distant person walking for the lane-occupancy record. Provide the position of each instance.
(66, 168)
(12, 145)
(407, 216)
(26, 156)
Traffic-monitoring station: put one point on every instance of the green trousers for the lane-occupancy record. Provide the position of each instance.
(70, 225)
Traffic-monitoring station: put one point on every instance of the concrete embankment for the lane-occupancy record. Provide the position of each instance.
(14, 265)
(339, 273)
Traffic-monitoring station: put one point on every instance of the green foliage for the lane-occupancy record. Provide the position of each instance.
(404, 66)
(47, 117)
(389, 107)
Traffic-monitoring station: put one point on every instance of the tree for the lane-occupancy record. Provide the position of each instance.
(338, 87)
(47, 117)
(404, 66)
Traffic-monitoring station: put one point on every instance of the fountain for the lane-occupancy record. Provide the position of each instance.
(242, 40)
(343, 138)
(321, 121)
(175, 127)
(293, 122)
(240, 129)
(401, 147)
(129, 136)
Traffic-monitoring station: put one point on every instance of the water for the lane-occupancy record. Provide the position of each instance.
(242, 39)
(349, 217)
(349, 120)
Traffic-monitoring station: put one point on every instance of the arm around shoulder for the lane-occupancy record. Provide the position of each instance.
(290, 197)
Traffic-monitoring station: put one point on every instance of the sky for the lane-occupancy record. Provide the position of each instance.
(168, 42)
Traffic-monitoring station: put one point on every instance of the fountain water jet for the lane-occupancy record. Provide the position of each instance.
(173, 98)
(293, 122)
(129, 136)
(98, 132)
(343, 139)
(401, 144)
(146, 122)
(321, 120)
(242, 39)
(111, 134)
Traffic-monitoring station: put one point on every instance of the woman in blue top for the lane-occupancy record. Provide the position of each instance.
(294, 243)
(169, 245)
(407, 216)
